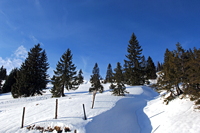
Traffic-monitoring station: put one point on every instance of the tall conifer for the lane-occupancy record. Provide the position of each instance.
(192, 86)
(64, 75)
(151, 69)
(95, 83)
(132, 64)
(109, 74)
(32, 76)
(80, 77)
(95, 80)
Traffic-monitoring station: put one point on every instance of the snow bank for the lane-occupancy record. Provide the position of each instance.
(176, 117)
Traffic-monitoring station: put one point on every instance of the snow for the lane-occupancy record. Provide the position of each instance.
(140, 111)
(178, 116)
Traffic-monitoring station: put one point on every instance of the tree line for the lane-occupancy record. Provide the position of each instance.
(181, 74)
(31, 78)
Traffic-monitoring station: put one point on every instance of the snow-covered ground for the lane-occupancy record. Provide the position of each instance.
(178, 116)
(141, 111)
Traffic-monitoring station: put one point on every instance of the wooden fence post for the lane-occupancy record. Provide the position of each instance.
(85, 118)
(56, 112)
(74, 131)
(23, 117)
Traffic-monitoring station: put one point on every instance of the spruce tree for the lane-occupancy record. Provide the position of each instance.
(151, 69)
(181, 66)
(10, 81)
(32, 76)
(132, 64)
(126, 73)
(171, 75)
(20, 87)
(95, 83)
(192, 86)
(64, 75)
(109, 74)
(95, 80)
(80, 77)
(159, 67)
(143, 67)
(119, 89)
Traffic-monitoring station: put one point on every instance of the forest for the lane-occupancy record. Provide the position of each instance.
(179, 74)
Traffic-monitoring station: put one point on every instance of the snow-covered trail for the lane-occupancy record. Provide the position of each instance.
(110, 113)
(126, 116)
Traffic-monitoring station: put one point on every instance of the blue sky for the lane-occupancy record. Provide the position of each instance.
(95, 30)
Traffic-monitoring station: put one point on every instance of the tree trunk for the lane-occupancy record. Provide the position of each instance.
(63, 94)
(178, 90)
(172, 93)
(94, 94)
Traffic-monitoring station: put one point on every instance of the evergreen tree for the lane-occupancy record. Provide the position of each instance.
(20, 87)
(10, 81)
(181, 66)
(109, 74)
(64, 75)
(2, 76)
(159, 67)
(119, 89)
(95, 80)
(192, 86)
(80, 77)
(143, 67)
(171, 75)
(151, 69)
(32, 76)
(132, 64)
(126, 73)
(95, 83)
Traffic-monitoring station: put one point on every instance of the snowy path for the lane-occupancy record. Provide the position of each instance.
(127, 116)
(111, 114)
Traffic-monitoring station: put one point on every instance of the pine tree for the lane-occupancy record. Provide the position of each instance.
(64, 75)
(20, 87)
(126, 73)
(109, 74)
(181, 66)
(151, 69)
(32, 76)
(95, 83)
(95, 80)
(10, 81)
(192, 86)
(2, 76)
(80, 77)
(143, 67)
(159, 67)
(119, 89)
(44, 65)
(171, 75)
(164, 80)
(132, 64)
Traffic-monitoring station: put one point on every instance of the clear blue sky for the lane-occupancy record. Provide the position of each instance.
(95, 30)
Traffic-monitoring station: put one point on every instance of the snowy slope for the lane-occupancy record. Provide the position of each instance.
(139, 112)
(178, 116)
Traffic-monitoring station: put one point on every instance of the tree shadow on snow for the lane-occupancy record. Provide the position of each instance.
(81, 92)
